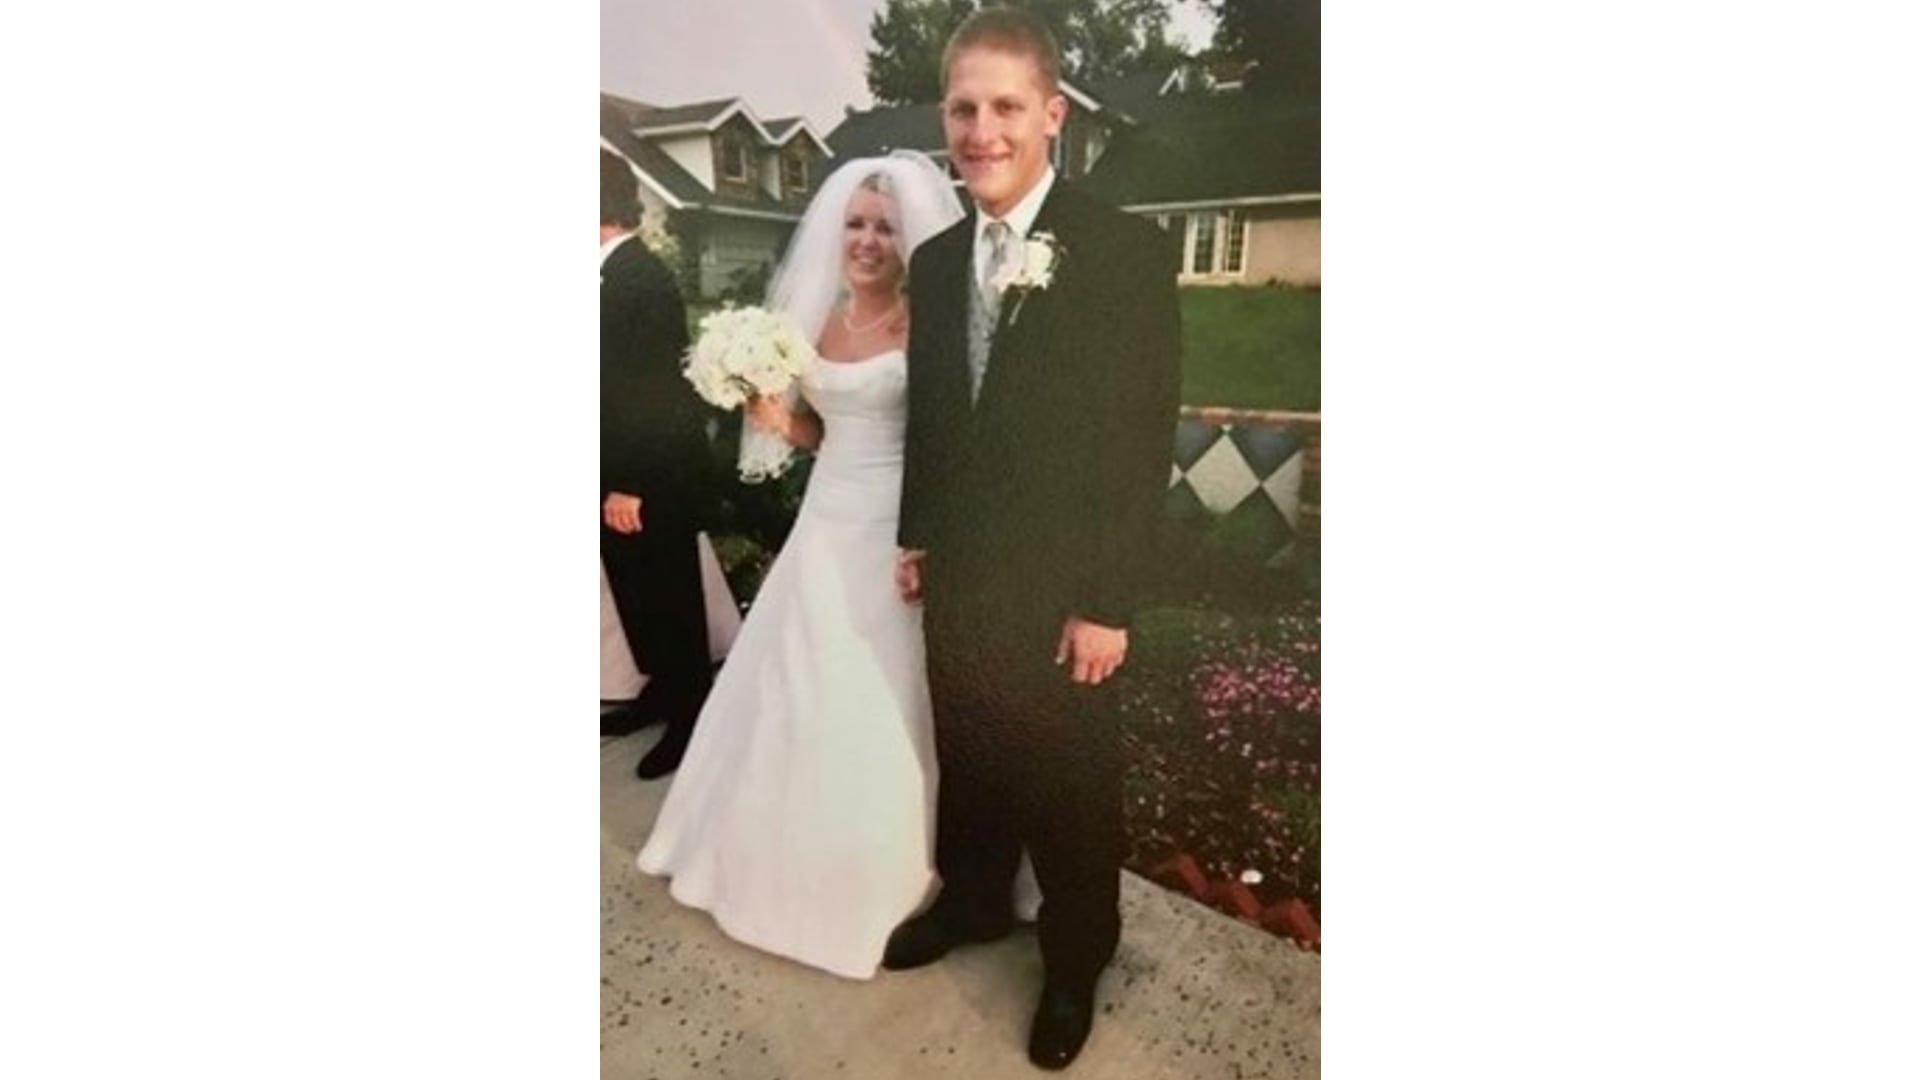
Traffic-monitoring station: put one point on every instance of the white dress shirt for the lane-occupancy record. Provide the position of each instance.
(1019, 219)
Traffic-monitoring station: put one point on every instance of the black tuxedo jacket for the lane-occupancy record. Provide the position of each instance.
(1044, 497)
(653, 439)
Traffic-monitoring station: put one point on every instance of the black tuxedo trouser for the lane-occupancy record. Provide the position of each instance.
(654, 576)
(1027, 759)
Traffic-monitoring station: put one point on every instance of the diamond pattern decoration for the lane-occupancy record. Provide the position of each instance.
(1283, 488)
(1241, 482)
(1222, 478)
(1191, 439)
(1265, 448)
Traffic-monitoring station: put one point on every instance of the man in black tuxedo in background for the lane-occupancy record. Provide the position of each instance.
(1043, 387)
(653, 447)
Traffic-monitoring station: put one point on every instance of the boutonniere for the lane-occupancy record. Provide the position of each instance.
(1040, 257)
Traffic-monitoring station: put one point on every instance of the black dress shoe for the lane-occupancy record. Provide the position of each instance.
(931, 935)
(1060, 1026)
(666, 754)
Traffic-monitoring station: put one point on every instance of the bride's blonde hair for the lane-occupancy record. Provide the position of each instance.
(809, 281)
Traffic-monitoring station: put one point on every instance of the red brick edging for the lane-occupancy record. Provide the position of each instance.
(1288, 918)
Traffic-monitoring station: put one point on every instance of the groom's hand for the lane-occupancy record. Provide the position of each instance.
(621, 513)
(1093, 651)
(906, 575)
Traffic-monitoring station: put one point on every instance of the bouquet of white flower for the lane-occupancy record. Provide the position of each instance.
(746, 352)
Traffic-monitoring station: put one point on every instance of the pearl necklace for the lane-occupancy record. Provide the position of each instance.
(846, 318)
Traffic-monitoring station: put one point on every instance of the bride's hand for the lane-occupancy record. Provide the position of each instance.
(906, 574)
(770, 415)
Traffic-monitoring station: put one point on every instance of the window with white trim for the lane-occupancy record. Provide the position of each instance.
(1233, 241)
(1211, 241)
(1200, 261)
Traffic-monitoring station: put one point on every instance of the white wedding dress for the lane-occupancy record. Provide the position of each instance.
(802, 814)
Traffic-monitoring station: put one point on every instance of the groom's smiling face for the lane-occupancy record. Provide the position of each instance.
(999, 115)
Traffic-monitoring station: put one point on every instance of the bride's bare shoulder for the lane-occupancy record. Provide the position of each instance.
(832, 338)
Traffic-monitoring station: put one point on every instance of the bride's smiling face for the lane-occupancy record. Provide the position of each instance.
(870, 242)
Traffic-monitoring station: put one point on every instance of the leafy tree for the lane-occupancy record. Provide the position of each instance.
(1102, 39)
(1098, 39)
(903, 66)
(1280, 37)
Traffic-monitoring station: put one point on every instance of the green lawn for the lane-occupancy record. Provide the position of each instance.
(1251, 347)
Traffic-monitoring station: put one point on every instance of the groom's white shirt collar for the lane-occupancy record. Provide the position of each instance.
(606, 249)
(1019, 219)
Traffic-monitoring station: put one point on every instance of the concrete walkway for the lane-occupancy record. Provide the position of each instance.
(1192, 994)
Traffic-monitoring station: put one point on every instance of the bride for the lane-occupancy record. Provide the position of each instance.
(802, 815)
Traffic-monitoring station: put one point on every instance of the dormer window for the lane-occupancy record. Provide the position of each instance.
(733, 159)
(793, 173)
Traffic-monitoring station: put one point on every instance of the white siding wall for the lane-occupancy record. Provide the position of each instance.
(694, 154)
(1287, 251)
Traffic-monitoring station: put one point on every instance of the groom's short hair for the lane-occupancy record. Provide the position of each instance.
(619, 192)
(1008, 30)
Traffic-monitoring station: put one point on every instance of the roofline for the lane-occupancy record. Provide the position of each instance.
(657, 187)
(734, 211)
(735, 107)
(626, 101)
(1207, 204)
(811, 134)
(691, 128)
(739, 107)
(1075, 93)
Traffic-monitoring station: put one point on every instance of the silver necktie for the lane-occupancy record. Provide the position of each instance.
(986, 306)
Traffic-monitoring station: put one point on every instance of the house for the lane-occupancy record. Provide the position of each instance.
(728, 186)
(1235, 176)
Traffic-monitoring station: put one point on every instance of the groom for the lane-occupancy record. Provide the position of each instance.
(652, 450)
(1043, 389)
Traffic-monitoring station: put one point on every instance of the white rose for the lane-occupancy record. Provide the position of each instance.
(1039, 261)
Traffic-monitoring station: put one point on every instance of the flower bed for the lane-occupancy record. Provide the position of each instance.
(1222, 732)
(1220, 714)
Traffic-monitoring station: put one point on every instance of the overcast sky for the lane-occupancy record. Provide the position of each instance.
(783, 56)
